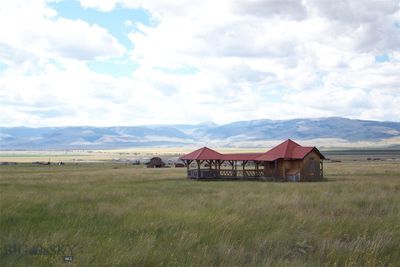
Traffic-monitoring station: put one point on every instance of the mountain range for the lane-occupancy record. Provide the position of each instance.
(324, 131)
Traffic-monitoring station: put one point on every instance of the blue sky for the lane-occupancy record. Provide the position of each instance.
(382, 58)
(130, 62)
(114, 21)
(2, 67)
(119, 22)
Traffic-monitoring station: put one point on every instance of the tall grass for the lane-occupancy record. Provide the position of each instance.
(120, 215)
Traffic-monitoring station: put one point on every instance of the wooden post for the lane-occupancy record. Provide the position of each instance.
(187, 167)
(233, 167)
(198, 169)
(219, 166)
(276, 168)
(256, 168)
(322, 169)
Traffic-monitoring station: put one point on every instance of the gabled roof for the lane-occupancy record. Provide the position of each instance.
(287, 150)
(203, 153)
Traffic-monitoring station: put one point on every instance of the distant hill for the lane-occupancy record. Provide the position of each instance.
(242, 133)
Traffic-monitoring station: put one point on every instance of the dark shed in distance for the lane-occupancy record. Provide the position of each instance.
(156, 162)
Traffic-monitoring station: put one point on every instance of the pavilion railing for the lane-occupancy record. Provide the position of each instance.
(241, 173)
(192, 173)
(203, 174)
(206, 173)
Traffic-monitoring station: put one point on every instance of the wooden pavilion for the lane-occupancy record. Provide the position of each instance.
(287, 161)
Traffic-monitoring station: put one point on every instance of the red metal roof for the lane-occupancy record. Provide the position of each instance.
(286, 150)
(241, 156)
(206, 153)
(203, 153)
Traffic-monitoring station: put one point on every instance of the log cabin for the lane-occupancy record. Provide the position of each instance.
(287, 161)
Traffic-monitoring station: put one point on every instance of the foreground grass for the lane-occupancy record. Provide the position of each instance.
(115, 214)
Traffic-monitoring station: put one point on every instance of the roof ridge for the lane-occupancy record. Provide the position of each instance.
(286, 148)
(204, 148)
(201, 151)
(294, 144)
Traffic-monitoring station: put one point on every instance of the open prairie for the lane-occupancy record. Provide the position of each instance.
(107, 214)
(106, 155)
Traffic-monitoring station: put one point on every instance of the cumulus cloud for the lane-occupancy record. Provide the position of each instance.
(35, 29)
(286, 9)
(201, 61)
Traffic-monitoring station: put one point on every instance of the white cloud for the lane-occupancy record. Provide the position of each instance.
(286, 9)
(36, 32)
(244, 60)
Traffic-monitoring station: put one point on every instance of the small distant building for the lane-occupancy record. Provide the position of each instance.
(42, 162)
(179, 165)
(7, 163)
(155, 162)
(136, 162)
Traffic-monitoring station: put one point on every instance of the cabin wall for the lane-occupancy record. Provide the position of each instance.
(293, 165)
(269, 168)
(308, 168)
(311, 167)
(293, 170)
(279, 172)
(281, 169)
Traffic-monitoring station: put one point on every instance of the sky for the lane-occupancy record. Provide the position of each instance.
(141, 62)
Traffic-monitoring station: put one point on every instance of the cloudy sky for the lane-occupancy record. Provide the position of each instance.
(130, 62)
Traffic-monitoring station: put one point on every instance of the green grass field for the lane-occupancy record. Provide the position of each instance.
(107, 214)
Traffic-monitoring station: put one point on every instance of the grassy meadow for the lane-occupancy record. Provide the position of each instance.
(106, 214)
(107, 155)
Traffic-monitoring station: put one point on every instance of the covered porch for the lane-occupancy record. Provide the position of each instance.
(231, 170)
